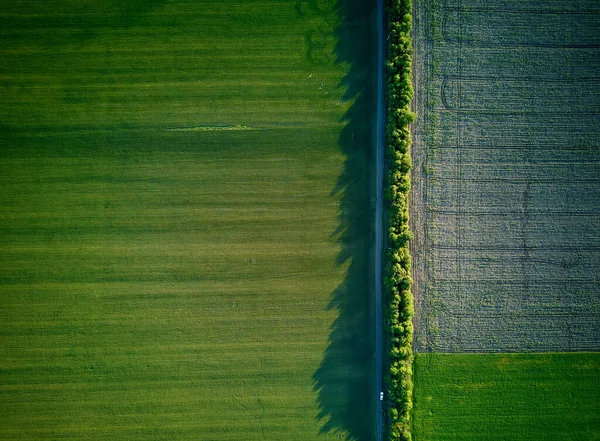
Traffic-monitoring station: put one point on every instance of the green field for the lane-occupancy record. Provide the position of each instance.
(507, 397)
(181, 252)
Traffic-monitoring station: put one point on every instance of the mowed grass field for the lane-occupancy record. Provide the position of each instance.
(507, 397)
(166, 64)
(167, 219)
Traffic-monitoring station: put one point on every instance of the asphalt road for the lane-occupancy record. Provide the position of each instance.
(379, 129)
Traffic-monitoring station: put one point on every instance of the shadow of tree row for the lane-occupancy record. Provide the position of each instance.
(345, 380)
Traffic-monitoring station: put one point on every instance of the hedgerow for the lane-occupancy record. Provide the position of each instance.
(397, 280)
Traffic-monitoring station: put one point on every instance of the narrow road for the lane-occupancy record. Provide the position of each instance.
(379, 129)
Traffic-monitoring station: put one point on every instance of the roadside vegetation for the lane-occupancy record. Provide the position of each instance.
(397, 279)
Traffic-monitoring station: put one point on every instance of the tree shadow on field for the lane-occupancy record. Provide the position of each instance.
(345, 380)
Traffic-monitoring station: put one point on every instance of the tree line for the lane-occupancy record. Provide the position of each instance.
(397, 279)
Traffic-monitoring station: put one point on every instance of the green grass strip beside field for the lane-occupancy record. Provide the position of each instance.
(397, 280)
(542, 396)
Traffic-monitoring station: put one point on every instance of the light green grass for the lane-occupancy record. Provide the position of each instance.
(554, 396)
(160, 281)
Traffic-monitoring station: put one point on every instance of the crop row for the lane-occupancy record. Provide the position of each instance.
(397, 280)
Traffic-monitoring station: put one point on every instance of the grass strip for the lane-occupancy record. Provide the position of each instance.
(514, 396)
(397, 280)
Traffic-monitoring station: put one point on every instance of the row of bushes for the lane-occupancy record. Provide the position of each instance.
(397, 280)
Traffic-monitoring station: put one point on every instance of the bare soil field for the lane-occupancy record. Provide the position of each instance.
(506, 182)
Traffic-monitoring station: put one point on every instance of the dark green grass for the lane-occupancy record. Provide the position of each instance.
(552, 396)
(161, 275)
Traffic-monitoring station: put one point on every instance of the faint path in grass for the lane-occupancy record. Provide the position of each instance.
(346, 381)
(212, 128)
